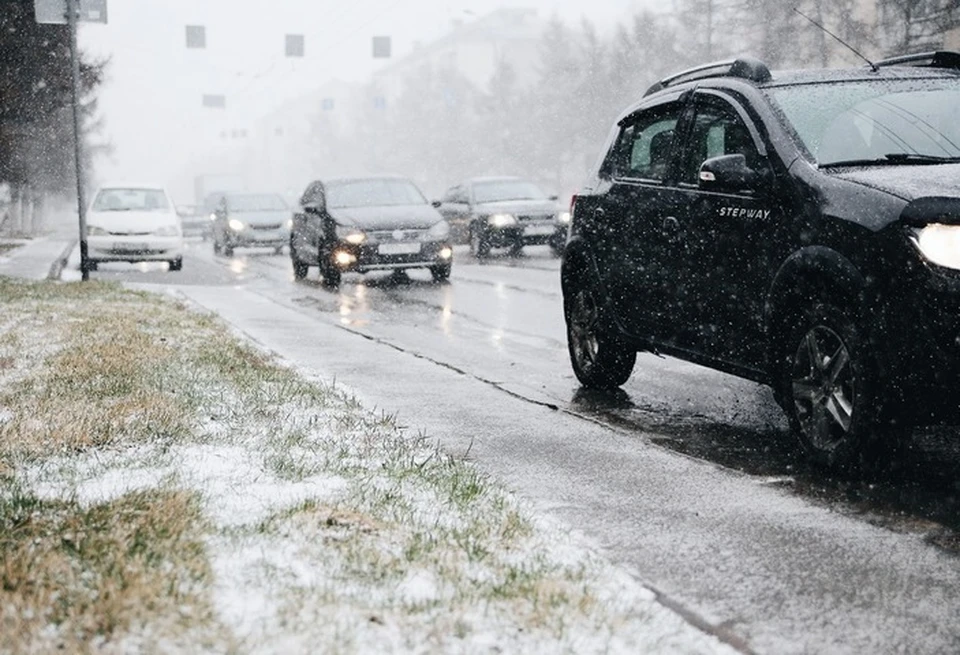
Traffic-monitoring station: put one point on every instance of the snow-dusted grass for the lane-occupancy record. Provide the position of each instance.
(164, 484)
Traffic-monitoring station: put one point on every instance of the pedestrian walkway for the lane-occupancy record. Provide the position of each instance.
(38, 258)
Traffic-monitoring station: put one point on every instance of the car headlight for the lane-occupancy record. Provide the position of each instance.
(167, 231)
(502, 220)
(439, 232)
(235, 225)
(351, 234)
(96, 231)
(563, 218)
(939, 244)
(289, 223)
(213, 216)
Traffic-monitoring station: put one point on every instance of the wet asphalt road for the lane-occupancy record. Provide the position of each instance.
(499, 324)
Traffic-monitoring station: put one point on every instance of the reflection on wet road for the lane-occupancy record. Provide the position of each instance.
(500, 321)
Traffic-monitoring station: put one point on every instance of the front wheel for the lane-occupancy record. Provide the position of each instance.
(329, 272)
(176, 264)
(479, 246)
(830, 387)
(441, 272)
(600, 360)
(300, 270)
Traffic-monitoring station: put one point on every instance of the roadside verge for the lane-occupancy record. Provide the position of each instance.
(160, 479)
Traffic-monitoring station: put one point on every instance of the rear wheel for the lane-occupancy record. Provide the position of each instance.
(91, 265)
(176, 264)
(600, 360)
(830, 387)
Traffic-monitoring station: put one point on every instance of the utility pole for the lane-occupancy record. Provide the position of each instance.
(73, 10)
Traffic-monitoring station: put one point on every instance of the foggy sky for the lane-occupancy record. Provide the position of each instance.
(151, 99)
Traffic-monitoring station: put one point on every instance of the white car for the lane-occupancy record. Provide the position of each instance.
(133, 224)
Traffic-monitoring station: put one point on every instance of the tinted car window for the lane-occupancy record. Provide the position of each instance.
(868, 120)
(373, 193)
(130, 200)
(506, 190)
(645, 145)
(717, 130)
(256, 202)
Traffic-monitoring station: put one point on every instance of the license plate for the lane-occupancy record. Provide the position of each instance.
(131, 247)
(538, 229)
(398, 248)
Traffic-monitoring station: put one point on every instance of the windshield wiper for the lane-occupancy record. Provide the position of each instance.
(895, 158)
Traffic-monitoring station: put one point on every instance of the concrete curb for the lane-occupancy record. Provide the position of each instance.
(56, 268)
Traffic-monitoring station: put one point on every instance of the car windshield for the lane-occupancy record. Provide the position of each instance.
(256, 202)
(881, 121)
(373, 193)
(507, 190)
(124, 200)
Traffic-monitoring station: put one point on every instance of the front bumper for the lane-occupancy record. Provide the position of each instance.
(390, 256)
(252, 237)
(526, 234)
(133, 248)
(922, 336)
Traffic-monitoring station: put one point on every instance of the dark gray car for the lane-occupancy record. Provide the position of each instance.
(504, 212)
(367, 224)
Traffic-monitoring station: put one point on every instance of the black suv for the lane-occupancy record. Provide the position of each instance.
(800, 229)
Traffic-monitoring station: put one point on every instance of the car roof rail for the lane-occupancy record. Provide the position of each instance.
(747, 68)
(935, 59)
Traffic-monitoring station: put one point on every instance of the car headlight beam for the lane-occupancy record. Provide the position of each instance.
(502, 220)
(563, 218)
(235, 225)
(939, 244)
(351, 234)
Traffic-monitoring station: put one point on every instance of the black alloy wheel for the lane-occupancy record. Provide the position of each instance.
(831, 388)
(599, 360)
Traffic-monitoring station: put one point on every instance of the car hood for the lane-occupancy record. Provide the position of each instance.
(908, 182)
(132, 222)
(518, 207)
(391, 217)
(271, 217)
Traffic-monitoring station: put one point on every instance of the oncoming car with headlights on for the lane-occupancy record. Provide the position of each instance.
(504, 212)
(251, 220)
(132, 223)
(798, 228)
(368, 224)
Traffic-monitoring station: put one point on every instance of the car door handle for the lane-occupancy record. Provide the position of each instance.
(671, 225)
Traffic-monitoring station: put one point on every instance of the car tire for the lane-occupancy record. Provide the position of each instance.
(516, 249)
(441, 272)
(300, 270)
(600, 359)
(217, 248)
(479, 246)
(176, 264)
(227, 250)
(329, 273)
(829, 386)
(91, 265)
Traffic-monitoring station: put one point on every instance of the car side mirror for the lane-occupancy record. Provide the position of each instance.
(554, 197)
(437, 204)
(728, 173)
